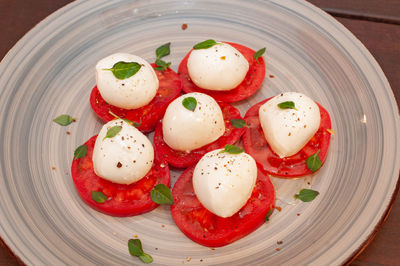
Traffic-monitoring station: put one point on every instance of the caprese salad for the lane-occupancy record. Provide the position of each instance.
(131, 88)
(288, 135)
(223, 198)
(224, 193)
(115, 171)
(194, 124)
(229, 72)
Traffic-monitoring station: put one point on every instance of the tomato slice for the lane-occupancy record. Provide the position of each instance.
(182, 159)
(249, 85)
(147, 116)
(208, 229)
(257, 146)
(123, 200)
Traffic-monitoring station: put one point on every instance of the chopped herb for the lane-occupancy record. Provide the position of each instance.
(135, 249)
(80, 152)
(269, 213)
(98, 196)
(238, 123)
(64, 120)
(161, 194)
(314, 162)
(287, 105)
(124, 70)
(232, 149)
(205, 45)
(258, 54)
(306, 195)
(112, 132)
(161, 65)
(189, 103)
(163, 50)
(130, 122)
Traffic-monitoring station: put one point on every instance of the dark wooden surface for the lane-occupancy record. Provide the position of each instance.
(375, 22)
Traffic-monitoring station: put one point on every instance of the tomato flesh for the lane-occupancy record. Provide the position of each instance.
(208, 229)
(257, 146)
(183, 159)
(248, 87)
(169, 88)
(123, 200)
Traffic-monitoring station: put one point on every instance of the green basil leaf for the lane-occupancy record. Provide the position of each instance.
(130, 122)
(238, 123)
(314, 162)
(80, 152)
(64, 120)
(189, 103)
(135, 247)
(161, 194)
(258, 54)
(205, 45)
(269, 213)
(163, 50)
(232, 149)
(112, 132)
(306, 195)
(98, 197)
(287, 105)
(162, 65)
(146, 258)
(124, 70)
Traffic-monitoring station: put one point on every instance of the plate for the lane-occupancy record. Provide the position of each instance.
(51, 71)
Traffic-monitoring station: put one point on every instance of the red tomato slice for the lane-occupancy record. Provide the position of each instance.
(257, 146)
(208, 229)
(169, 88)
(249, 85)
(182, 159)
(123, 200)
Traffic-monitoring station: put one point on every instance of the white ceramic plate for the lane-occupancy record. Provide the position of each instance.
(51, 71)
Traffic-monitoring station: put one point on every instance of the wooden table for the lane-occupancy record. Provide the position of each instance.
(375, 23)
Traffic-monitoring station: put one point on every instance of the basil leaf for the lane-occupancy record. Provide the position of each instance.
(161, 194)
(287, 105)
(163, 50)
(306, 195)
(314, 162)
(98, 196)
(64, 120)
(238, 123)
(112, 132)
(146, 258)
(269, 213)
(232, 149)
(130, 122)
(189, 103)
(124, 70)
(205, 45)
(80, 152)
(258, 54)
(162, 65)
(135, 247)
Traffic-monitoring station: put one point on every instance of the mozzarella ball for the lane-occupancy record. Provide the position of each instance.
(220, 67)
(186, 130)
(124, 158)
(287, 131)
(130, 93)
(224, 182)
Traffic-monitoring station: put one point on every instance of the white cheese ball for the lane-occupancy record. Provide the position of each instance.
(224, 182)
(287, 131)
(124, 158)
(131, 93)
(220, 67)
(186, 130)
